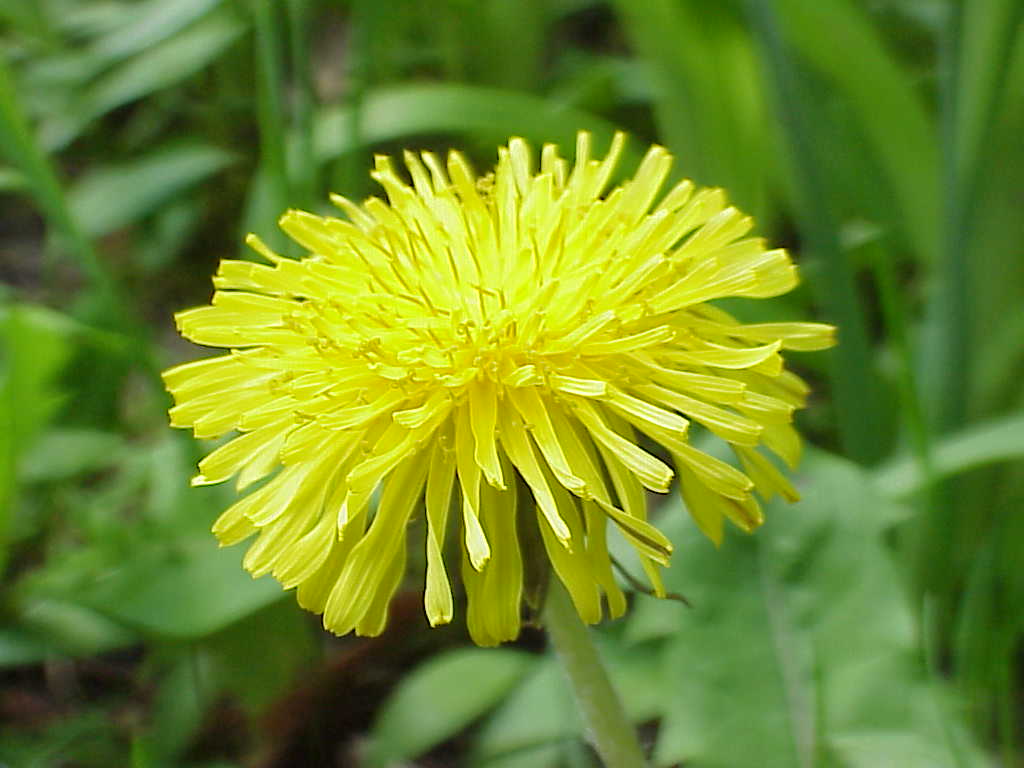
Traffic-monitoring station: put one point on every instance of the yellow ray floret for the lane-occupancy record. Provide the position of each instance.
(484, 351)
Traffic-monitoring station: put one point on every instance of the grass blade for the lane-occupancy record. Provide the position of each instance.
(977, 446)
(978, 46)
(702, 64)
(19, 145)
(268, 102)
(304, 169)
(854, 388)
(490, 114)
(831, 34)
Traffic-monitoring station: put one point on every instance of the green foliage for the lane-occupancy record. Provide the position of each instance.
(791, 655)
(877, 622)
(114, 197)
(35, 345)
(441, 698)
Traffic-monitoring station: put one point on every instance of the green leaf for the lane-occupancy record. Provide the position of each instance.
(855, 388)
(19, 647)
(970, 448)
(21, 149)
(833, 33)
(110, 198)
(256, 673)
(151, 70)
(997, 281)
(35, 344)
(153, 22)
(539, 713)
(490, 114)
(797, 638)
(188, 592)
(61, 454)
(12, 180)
(440, 698)
(65, 627)
(703, 69)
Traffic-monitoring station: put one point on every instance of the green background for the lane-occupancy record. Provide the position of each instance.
(876, 623)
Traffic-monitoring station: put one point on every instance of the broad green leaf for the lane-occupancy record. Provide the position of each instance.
(189, 591)
(539, 713)
(256, 673)
(61, 454)
(994, 441)
(440, 698)
(549, 755)
(182, 696)
(65, 627)
(19, 647)
(490, 114)
(872, 748)
(110, 198)
(797, 638)
(35, 343)
(12, 180)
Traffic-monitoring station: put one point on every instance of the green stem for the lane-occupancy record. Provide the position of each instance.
(608, 728)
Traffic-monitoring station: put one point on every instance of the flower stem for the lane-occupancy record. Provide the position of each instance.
(607, 726)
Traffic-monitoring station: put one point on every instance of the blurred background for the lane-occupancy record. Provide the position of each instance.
(876, 623)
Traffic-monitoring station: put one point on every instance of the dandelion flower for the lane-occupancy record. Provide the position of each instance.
(484, 352)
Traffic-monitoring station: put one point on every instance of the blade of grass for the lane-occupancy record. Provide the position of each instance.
(491, 114)
(702, 68)
(974, 54)
(976, 51)
(853, 385)
(997, 271)
(978, 445)
(103, 305)
(836, 38)
(304, 169)
(157, 20)
(153, 69)
(362, 69)
(911, 409)
(142, 186)
(269, 112)
(22, 150)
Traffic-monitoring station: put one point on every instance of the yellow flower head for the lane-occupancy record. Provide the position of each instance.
(497, 341)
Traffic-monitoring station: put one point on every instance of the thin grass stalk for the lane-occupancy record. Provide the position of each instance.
(273, 152)
(304, 171)
(975, 55)
(915, 422)
(22, 150)
(853, 385)
(364, 12)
